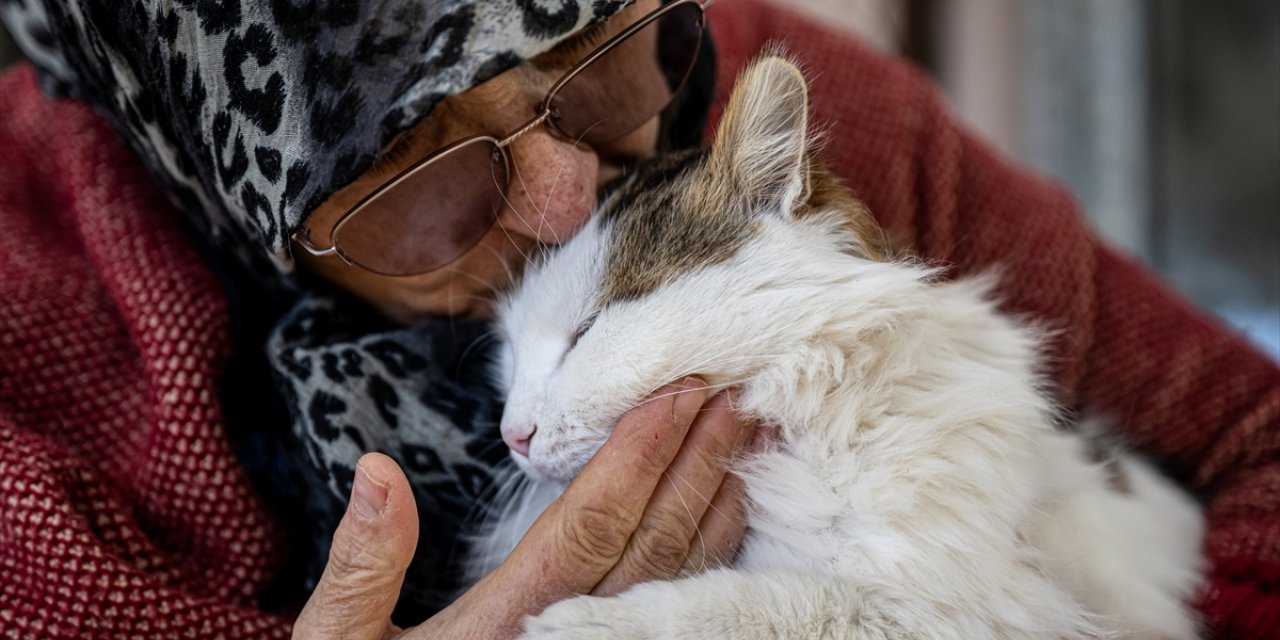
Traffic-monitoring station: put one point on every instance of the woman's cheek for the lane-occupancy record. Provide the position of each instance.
(638, 145)
(552, 190)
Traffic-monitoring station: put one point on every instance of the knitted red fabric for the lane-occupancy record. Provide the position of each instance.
(1185, 389)
(122, 510)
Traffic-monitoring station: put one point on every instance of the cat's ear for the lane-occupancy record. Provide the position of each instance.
(762, 139)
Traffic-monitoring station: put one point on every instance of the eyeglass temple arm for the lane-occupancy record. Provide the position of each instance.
(303, 237)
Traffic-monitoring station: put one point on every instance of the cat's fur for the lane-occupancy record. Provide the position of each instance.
(919, 489)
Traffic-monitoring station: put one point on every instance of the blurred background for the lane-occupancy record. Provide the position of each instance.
(1162, 116)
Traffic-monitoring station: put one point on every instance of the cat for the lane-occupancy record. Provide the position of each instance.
(920, 486)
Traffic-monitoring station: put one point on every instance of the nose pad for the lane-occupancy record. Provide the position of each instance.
(519, 438)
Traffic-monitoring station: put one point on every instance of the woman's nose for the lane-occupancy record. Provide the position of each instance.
(552, 188)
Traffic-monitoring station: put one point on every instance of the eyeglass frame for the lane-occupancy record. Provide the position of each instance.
(302, 236)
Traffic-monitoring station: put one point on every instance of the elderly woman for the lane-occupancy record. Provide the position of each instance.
(185, 399)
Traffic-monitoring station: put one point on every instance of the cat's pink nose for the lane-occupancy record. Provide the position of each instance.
(518, 438)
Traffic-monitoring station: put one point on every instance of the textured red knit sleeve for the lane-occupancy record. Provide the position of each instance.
(123, 512)
(1183, 388)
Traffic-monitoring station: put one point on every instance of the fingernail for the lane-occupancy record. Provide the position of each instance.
(367, 496)
(688, 400)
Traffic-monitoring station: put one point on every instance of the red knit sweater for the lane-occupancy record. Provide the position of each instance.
(123, 511)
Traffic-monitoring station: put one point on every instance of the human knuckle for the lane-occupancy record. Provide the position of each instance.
(700, 560)
(594, 533)
(661, 548)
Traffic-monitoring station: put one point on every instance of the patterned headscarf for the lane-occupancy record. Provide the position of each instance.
(251, 114)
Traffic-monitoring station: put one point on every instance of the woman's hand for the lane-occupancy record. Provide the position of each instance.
(654, 502)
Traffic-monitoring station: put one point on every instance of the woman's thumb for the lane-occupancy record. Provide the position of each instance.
(371, 551)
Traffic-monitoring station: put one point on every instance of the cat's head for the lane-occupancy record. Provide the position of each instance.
(703, 263)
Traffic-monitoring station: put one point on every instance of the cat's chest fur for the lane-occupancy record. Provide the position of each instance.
(936, 421)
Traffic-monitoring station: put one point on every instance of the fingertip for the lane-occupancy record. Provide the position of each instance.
(690, 383)
(661, 408)
(722, 401)
(372, 548)
(688, 398)
(718, 414)
(381, 468)
(368, 496)
(722, 527)
(399, 511)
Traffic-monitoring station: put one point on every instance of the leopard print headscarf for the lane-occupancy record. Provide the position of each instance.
(252, 113)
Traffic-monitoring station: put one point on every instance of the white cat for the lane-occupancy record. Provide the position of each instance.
(919, 488)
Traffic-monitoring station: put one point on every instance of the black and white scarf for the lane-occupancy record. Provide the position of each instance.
(253, 113)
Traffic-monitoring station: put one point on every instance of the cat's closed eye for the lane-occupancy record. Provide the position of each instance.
(582, 329)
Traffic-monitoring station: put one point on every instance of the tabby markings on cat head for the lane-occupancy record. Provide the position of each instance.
(688, 211)
(662, 227)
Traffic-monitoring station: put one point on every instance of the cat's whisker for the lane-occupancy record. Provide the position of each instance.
(554, 184)
(493, 492)
(711, 388)
(454, 296)
(515, 500)
(506, 475)
(681, 478)
(542, 213)
(493, 292)
(506, 233)
(684, 365)
(478, 279)
(721, 386)
(505, 463)
(501, 260)
(488, 286)
(703, 563)
(546, 206)
(511, 490)
(692, 520)
(710, 505)
(676, 370)
(491, 334)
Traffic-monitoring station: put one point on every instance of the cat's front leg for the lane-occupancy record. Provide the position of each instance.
(741, 605)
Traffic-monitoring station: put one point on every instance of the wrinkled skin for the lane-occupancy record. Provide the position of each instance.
(551, 194)
(622, 520)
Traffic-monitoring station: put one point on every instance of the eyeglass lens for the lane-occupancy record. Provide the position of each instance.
(439, 211)
(431, 218)
(633, 81)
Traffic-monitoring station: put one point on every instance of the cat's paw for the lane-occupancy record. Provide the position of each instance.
(592, 618)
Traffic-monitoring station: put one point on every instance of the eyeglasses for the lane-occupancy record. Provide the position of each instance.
(436, 210)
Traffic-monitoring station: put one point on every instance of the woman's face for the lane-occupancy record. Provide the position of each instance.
(552, 188)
